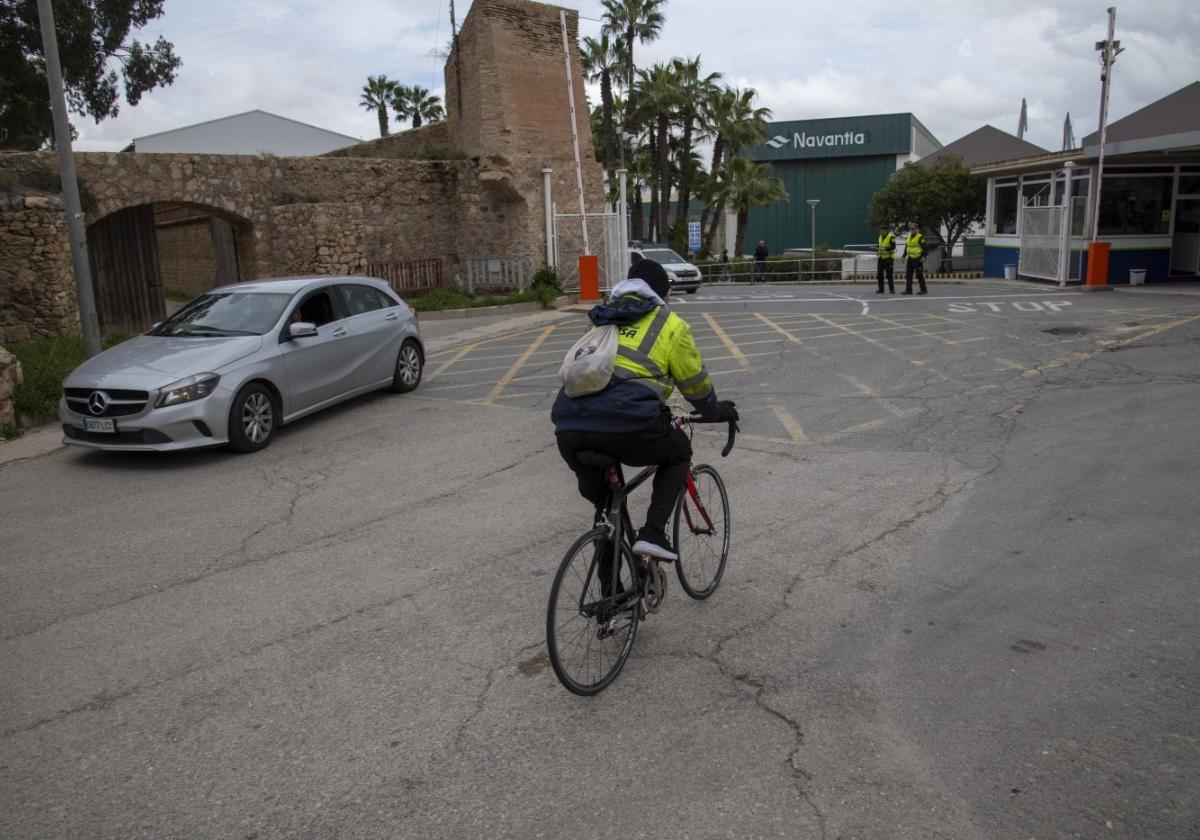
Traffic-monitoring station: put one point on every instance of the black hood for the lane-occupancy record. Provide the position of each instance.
(654, 275)
(624, 310)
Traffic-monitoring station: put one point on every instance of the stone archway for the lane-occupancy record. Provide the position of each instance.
(149, 258)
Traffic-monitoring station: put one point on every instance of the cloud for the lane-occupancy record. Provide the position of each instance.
(956, 66)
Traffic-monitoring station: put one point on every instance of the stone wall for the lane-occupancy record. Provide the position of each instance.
(37, 287)
(318, 238)
(404, 145)
(10, 378)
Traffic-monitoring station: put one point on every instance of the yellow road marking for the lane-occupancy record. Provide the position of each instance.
(790, 424)
(733, 348)
(464, 351)
(519, 363)
(861, 427)
(1116, 345)
(867, 390)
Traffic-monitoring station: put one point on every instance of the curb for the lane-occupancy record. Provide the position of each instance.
(32, 444)
(503, 309)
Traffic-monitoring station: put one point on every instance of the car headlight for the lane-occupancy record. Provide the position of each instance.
(672, 276)
(187, 390)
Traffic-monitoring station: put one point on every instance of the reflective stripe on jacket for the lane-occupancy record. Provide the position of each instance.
(916, 246)
(659, 353)
(887, 246)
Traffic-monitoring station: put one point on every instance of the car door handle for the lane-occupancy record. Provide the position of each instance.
(340, 331)
(391, 317)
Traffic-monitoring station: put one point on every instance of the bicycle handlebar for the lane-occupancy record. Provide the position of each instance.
(733, 429)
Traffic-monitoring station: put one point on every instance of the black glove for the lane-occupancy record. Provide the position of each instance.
(729, 412)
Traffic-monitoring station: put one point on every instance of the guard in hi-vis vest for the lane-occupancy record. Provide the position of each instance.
(915, 263)
(886, 257)
(629, 420)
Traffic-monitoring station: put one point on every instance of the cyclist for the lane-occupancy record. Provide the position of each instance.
(629, 420)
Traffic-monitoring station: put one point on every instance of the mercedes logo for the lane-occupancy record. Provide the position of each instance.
(97, 402)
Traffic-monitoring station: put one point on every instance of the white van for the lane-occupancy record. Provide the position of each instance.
(682, 274)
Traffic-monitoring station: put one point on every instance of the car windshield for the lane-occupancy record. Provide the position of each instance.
(664, 256)
(226, 314)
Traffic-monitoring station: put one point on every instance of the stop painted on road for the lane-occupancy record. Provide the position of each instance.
(1019, 305)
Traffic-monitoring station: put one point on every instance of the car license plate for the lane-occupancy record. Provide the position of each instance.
(106, 425)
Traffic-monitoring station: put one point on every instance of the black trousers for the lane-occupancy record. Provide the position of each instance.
(660, 444)
(911, 266)
(885, 267)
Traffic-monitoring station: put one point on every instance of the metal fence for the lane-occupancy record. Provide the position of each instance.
(604, 239)
(1041, 242)
(494, 274)
(409, 276)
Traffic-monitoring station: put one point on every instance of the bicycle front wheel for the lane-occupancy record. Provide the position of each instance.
(590, 621)
(702, 533)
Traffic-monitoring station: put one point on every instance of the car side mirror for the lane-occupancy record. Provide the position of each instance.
(301, 329)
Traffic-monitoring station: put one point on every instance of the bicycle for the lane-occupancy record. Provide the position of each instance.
(602, 591)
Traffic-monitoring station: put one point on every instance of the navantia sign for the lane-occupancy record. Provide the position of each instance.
(804, 140)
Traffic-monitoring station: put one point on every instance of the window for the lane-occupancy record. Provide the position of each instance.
(1189, 184)
(360, 299)
(1004, 207)
(225, 314)
(1135, 206)
(1035, 190)
(317, 309)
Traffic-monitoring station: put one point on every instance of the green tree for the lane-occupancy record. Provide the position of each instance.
(747, 184)
(693, 91)
(658, 97)
(602, 61)
(417, 104)
(945, 199)
(98, 59)
(629, 21)
(734, 123)
(377, 95)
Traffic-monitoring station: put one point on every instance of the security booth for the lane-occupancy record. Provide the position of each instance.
(1041, 209)
(839, 161)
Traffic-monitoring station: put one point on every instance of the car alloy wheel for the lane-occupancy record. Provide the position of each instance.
(408, 366)
(258, 417)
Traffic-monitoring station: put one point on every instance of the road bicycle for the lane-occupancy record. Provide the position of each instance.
(602, 591)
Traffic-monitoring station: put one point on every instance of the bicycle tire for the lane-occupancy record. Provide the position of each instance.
(701, 565)
(560, 640)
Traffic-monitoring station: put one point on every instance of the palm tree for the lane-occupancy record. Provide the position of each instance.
(602, 61)
(693, 91)
(630, 20)
(418, 104)
(734, 123)
(748, 184)
(658, 97)
(377, 95)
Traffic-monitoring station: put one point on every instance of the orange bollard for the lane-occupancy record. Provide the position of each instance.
(1097, 268)
(589, 279)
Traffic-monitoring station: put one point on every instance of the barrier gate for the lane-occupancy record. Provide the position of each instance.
(604, 237)
(1042, 240)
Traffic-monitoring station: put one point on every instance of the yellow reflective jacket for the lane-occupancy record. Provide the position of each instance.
(887, 246)
(659, 353)
(656, 353)
(915, 249)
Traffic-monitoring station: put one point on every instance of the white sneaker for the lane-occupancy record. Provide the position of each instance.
(659, 549)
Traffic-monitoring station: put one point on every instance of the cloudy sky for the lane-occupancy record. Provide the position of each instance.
(956, 65)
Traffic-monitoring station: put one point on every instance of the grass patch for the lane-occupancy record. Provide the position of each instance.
(177, 294)
(45, 363)
(9, 432)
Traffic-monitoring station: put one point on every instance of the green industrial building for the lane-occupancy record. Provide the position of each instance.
(843, 162)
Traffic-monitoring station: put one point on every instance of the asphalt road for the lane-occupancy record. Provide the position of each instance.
(962, 600)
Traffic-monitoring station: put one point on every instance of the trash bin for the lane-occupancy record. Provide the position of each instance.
(1010, 272)
(1137, 276)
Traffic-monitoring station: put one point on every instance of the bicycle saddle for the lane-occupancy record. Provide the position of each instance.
(595, 459)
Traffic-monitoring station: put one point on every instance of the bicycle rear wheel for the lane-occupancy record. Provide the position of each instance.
(589, 628)
(702, 533)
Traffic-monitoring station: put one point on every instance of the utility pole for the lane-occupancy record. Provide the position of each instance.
(1109, 49)
(812, 204)
(76, 235)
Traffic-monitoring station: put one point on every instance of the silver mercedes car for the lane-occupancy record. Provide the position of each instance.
(236, 363)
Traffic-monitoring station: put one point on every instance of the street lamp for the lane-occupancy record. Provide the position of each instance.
(812, 203)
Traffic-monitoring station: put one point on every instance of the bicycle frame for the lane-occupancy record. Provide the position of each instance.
(616, 517)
